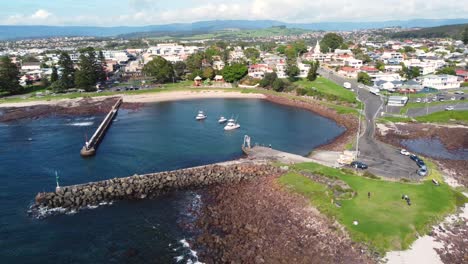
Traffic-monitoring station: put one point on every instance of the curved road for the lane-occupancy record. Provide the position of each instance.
(383, 159)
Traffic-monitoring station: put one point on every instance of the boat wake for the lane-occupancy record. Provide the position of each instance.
(81, 124)
(41, 212)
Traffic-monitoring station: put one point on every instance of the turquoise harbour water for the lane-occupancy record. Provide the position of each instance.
(158, 137)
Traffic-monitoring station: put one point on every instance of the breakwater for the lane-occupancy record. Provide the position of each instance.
(150, 185)
(89, 149)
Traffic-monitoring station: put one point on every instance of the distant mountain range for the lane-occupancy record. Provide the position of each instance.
(447, 31)
(23, 32)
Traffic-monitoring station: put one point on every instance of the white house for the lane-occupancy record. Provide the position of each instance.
(258, 71)
(119, 56)
(281, 70)
(218, 65)
(441, 82)
(303, 69)
(397, 100)
(30, 66)
(352, 62)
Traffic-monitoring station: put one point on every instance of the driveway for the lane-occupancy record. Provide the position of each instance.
(383, 159)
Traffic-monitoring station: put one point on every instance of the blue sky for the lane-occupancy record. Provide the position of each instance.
(150, 12)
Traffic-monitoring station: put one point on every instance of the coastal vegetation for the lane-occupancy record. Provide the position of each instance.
(383, 220)
(456, 116)
(325, 88)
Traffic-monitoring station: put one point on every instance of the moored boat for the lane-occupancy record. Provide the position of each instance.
(200, 116)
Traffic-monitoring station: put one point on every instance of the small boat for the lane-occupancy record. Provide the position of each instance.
(201, 115)
(231, 125)
(222, 120)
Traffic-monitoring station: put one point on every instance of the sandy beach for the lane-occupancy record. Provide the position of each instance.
(143, 98)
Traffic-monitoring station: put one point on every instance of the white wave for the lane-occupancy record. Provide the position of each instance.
(184, 243)
(192, 254)
(179, 258)
(42, 212)
(81, 124)
(92, 206)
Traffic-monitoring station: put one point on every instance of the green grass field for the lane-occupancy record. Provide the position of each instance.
(436, 117)
(444, 116)
(386, 222)
(405, 108)
(326, 86)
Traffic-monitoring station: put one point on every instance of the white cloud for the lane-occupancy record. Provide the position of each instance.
(149, 12)
(41, 14)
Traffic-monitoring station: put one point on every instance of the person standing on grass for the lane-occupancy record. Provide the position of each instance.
(368, 195)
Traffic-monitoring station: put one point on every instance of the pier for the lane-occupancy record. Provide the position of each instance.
(89, 149)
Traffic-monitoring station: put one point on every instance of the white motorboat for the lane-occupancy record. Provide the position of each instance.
(222, 120)
(231, 125)
(201, 115)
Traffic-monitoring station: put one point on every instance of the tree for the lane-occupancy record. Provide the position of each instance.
(54, 75)
(380, 66)
(251, 53)
(281, 49)
(160, 69)
(9, 76)
(68, 72)
(179, 69)
(278, 85)
(292, 70)
(208, 73)
(194, 61)
(331, 41)
(465, 36)
(88, 74)
(312, 74)
(101, 67)
(364, 78)
(234, 72)
(268, 79)
(410, 73)
(446, 70)
(299, 47)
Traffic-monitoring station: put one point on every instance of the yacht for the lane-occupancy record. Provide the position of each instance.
(231, 125)
(222, 120)
(201, 115)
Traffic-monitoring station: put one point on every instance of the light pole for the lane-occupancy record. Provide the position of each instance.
(359, 126)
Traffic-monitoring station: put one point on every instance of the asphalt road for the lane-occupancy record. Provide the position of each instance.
(382, 159)
(413, 112)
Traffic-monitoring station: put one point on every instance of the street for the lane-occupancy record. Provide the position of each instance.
(383, 159)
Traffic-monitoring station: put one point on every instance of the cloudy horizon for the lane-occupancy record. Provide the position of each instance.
(154, 12)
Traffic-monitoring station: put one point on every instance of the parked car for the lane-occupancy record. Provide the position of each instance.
(462, 98)
(359, 165)
(459, 92)
(418, 100)
(404, 152)
(414, 157)
(441, 99)
(449, 108)
(453, 98)
(422, 172)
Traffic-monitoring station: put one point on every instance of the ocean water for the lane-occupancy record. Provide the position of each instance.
(158, 137)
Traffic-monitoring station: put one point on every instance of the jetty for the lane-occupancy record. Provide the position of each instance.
(89, 149)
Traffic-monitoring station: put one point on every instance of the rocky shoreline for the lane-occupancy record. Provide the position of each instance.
(452, 137)
(84, 106)
(259, 221)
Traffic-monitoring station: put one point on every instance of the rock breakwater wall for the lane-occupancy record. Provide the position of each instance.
(149, 185)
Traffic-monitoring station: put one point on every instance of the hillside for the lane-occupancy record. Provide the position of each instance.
(448, 31)
(22, 32)
(221, 34)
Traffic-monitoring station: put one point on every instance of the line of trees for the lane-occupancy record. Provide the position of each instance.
(9, 76)
(91, 70)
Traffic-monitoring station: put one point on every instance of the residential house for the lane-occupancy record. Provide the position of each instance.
(349, 72)
(462, 75)
(441, 82)
(258, 71)
(218, 65)
(369, 70)
(30, 66)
